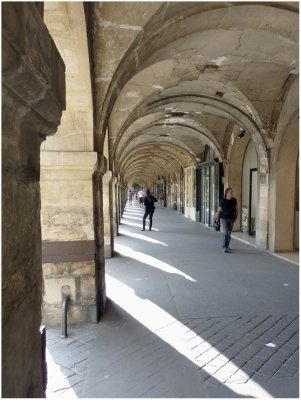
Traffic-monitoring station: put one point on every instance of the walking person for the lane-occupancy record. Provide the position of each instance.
(227, 211)
(161, 199)
(141, 195)
(130, 197)
(149, 204)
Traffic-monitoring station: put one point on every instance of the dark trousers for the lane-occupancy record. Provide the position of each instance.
(227, 230)
(150, 213)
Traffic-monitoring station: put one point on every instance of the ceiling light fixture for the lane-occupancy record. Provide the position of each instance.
(177, 113)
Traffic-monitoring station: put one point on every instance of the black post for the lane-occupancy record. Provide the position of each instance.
(65, 303)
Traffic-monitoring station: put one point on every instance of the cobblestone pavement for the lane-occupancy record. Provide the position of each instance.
(224, 350)
(67, 359)
(239, 349)
(184, 319)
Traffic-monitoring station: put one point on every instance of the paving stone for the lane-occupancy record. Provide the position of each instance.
(238, 377)
(259, 377)
(141, 388)
(67, 372)
(78, 387)
(293, 361)
(132, 358)
(271, 366)
(157, 391)
(75, 379)
(254, 364)
(288, 371)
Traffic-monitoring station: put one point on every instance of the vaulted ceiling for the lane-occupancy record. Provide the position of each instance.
(170, 78)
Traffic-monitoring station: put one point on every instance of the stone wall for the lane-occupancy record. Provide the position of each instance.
(33, 96)
(75, 279)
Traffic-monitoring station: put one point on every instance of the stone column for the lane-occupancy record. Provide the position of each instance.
(99, 236)
(115, 208)
(33, 97)
(174, 196)
(107, 214)
(68, 235)
(262, 224)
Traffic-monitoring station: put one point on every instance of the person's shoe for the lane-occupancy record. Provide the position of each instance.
(149, 229)
(142, 229)
(226, 251)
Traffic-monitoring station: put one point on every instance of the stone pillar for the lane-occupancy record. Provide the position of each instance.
(99, 236)
(33, 97)
(68, 235)
(262, 223)
(174, 196)
(115, 206)
(106, 180)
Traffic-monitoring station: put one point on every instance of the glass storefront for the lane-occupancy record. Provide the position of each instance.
(249, 192)
(209, 190)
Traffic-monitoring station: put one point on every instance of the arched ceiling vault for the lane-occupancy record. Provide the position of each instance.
(170, 153)
(136, 171)
(185, 138)
(187, 75)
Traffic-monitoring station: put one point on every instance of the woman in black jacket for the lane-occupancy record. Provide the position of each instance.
(149, 204)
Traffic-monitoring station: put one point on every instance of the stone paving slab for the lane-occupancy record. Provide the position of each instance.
(184, 320)
(137, 370)
(67, 359)
(211, 371)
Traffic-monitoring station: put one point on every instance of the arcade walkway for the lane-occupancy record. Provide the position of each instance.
(184, 319)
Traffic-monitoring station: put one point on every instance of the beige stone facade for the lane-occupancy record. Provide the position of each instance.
(188, 97)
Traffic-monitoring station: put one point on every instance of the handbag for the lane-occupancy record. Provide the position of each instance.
(216, 225)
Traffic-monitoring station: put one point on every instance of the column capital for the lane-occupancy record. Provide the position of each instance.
(102, 165)
(107, 177)
(33, 72)
(67, 164)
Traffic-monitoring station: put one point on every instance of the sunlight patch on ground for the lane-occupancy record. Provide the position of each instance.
(149, 260)
(130, 217)
(135, 210)
(131, 223)
(138, 225)
(172, 331)
(140, 236)
(57, 382)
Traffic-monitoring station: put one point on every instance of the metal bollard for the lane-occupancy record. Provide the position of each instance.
(44, 363)
(65, 302)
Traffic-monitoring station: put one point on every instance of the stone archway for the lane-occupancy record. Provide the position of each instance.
(233, 178)
(233, 172)
(283, 208)
(284, 156)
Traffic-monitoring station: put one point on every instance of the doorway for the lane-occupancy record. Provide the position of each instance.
(253, 201)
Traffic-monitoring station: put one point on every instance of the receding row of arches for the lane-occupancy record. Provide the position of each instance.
(188, 98)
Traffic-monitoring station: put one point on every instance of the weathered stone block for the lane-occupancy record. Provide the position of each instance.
(79, 315)
(87, 288)
(78, 269)
(57, 269)
(53, 289)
